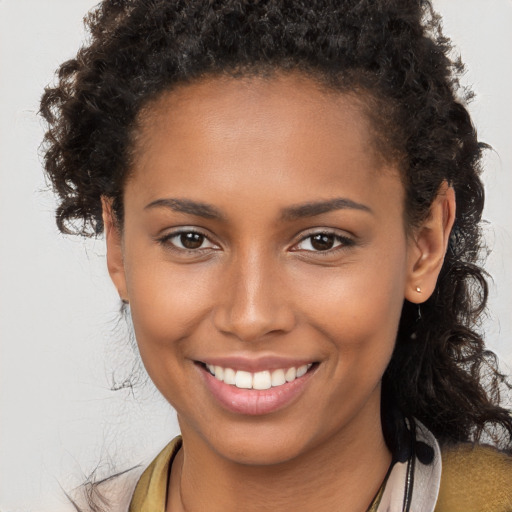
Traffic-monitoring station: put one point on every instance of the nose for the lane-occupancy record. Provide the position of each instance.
(253, 299)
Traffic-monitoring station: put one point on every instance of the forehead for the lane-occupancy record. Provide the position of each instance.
(291, 102)
(286, 131)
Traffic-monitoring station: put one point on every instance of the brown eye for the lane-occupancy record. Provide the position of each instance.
(322, 242)
(327, 242)
(192, 240)
(188, 241)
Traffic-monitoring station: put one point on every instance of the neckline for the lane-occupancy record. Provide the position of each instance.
(151, 489)
(374, 505)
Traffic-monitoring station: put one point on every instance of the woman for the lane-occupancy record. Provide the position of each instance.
(291, 200)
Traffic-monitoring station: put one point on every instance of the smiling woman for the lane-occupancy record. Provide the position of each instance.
(291, 201)
(271, 273)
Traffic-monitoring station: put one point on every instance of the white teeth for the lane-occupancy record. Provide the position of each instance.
(230, 376)
(278, 378)
(259, 380)
(302, 370)
(290, 374)
(219, 372)
(243, 380)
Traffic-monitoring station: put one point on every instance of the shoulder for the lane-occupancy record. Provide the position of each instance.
(139, 488)
(475, 477)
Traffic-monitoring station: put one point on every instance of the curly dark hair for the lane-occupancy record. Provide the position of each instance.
(393, 54)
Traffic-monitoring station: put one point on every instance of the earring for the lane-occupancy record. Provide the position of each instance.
(418, 289)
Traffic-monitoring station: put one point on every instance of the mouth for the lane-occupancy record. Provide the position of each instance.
(261, 380)
(256, 393)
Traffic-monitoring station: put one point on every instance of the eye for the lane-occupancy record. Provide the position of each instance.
(323, 242)
(188, 241)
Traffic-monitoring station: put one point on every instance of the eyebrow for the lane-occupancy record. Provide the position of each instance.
(187, 206)
(299, 211)
(318, 207)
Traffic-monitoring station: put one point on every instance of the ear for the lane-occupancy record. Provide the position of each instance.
(115, 262)
(428, 245)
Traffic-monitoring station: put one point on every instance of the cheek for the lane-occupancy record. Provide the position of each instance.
(358, 315)
(358, 305)
(167, 301)
(166, 307)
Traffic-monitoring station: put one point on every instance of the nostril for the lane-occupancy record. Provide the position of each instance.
(250, 323)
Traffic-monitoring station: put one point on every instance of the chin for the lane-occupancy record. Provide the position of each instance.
(260, 443)
(263, 451)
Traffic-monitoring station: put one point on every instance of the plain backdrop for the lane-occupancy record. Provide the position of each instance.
(63, 347)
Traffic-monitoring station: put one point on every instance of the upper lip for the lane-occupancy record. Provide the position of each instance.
(255, 364)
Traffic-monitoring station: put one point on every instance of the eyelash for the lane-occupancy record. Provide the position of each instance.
(343, 242)
(166, 241)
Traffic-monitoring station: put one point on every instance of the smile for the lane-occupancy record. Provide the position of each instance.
(257, 392)
(261, 380)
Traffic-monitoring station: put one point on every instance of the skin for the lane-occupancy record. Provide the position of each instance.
(254, 148)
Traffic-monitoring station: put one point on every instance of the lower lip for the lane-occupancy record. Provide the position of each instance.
(255, 402)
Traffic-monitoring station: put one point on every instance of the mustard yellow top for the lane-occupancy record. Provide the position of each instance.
(151, 492)
(475, 478)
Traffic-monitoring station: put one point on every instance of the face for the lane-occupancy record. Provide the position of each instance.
(263, 242)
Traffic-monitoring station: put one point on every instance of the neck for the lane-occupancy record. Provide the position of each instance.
(343, 472)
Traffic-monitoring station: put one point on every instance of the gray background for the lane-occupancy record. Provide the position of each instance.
(61, 345)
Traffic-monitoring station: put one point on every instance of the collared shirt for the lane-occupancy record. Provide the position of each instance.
(151, 491)
(475, 478)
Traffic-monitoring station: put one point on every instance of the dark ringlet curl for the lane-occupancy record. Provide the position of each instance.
(391, 53)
